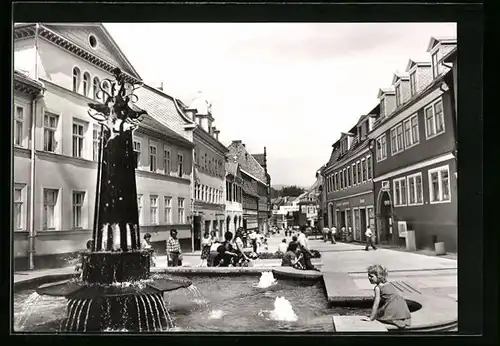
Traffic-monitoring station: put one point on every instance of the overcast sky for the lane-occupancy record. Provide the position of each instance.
(290, 87)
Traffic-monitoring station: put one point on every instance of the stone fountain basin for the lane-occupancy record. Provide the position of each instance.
(74, 289)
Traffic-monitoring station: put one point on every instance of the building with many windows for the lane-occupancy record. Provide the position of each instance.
(415, 166)
(348, 178)
(234, 197)
(255, 184)
(56, 141)
(210, 173)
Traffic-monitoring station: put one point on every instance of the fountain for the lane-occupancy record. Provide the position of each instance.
(266, 280)
(116, 291)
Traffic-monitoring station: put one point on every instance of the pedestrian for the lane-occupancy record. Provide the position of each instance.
(206, 242)
(388, 306)
(343, 233)
(333, 232)
(369, 238)
(326, 234)
(146, 245)
(253, 240)
(213, 253)
(304, 247)
(174, 252)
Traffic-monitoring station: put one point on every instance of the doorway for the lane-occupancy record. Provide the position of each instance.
(362, 222)
(228, 222)
(385, 231)
(197, 232)
(221, 228)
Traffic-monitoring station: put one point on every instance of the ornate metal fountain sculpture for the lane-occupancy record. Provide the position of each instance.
(115, 291)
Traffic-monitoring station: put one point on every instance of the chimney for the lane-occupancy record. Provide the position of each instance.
(237, 141)
(216, 133)
(160, 87)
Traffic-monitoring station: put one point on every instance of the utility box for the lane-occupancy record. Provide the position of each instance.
(439, 248)
(410, 241)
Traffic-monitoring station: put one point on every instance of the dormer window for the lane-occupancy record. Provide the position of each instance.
(382, 107)
(413, 83)
(398, 95)
(435, 64)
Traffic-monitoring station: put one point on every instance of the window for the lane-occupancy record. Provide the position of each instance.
(363, 170)
(95, 88)
(180, 163)
(382, 108)
(354, 174)
(49, 208)
(167, 205)
(137, 153)
(205, 162)
(413, 83)
(180, 210)
(439, 185)
(415, 189)
(18, 208)
(336, 182)
(358, 169)
(76, 79)
(368, 167)
(153, 209)
(381, 148)
(166, 161)
(344, 173)
(106, 87)
(18, 126)
(139, 207)
(342, 182)
(435, 65)
(86, 83)
(399, 192)
(196, 157)
(77, 139)
(434, 119)
(78, 198)
(152, 158)
(411, 131)
(49, 132)
(397, 139)
(96, 135)
(348, 176)
(398, 95)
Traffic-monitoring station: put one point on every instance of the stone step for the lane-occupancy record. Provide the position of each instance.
(356, 324)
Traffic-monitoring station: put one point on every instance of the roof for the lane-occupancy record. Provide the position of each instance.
(412, 62)
(450, 56)
(398, 75)
(260, 158)
(152, 124)
(440, 40)
(383, 91)
(248, 163)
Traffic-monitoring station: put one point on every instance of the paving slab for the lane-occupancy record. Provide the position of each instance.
(341, 287)
(356, 324)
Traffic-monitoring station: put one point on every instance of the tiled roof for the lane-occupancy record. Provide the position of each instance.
(247, 162)
(259, 158)
(162, 107)
(150, 123)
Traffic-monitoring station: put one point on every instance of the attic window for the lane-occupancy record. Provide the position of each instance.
(92, 41)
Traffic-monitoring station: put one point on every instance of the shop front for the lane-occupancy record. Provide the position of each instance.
(207, 219)
(250, 220)
(355, 213)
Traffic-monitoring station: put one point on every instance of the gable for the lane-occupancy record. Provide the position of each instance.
(106, 48)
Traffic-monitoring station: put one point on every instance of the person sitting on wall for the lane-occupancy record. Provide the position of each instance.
(88, 249)
(282, 247)
(213, 253)
(226, 253)
(174, 252)
(294, 240)
(304, 247)
(239, 249)
(293, 257)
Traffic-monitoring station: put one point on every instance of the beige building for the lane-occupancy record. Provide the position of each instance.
(55, 144)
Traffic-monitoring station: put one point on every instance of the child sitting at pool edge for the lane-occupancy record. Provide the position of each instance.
(388, 306)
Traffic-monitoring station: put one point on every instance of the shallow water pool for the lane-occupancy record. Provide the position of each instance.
(227, 304)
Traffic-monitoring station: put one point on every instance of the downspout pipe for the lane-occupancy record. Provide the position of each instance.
(32, 232)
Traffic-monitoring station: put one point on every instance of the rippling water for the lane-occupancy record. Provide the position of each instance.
(226, 304)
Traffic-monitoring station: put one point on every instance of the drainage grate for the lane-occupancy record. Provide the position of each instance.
(404, 286)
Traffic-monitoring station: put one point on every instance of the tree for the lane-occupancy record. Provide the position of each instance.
(292, 191)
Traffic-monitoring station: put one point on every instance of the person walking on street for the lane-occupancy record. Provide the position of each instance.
(333, 231)
(369, 240)
(174, 253)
